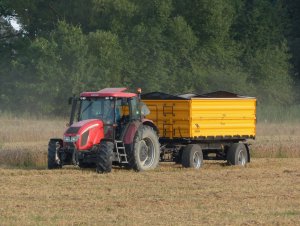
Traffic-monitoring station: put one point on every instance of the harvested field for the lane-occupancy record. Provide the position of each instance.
(266, 192)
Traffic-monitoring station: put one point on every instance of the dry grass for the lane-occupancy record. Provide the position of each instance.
(15, 130)
(277, 140)
(266, 192)
(23, 142)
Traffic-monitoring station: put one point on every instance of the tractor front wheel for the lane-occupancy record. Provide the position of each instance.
(104, 157)
(54, 161)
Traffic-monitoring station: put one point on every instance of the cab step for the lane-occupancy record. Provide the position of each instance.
(121, 152)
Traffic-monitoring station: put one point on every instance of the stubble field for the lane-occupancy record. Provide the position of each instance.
(265, 192)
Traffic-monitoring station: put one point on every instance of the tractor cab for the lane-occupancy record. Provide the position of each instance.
(112, 106)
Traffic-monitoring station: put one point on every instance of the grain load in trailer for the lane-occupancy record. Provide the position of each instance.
(208, 126)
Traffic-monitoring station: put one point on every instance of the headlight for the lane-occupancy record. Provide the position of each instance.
(67, 139)
(71, 138)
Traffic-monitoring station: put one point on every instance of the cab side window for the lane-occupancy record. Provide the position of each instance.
(134, 108)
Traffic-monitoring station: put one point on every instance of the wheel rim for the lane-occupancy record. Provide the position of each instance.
(196, 160)
(241, 158)
(57, 160)
(146, 152)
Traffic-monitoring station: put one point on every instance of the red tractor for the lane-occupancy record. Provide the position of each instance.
(110, 129)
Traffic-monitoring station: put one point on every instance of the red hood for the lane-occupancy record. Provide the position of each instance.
(89, 133)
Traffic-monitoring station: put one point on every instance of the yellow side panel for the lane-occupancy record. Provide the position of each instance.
(223, 117)
(203, 117)
(172, 117)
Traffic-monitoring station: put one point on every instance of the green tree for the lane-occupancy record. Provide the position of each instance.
(174, 46)
(67, 63)
(293, 37)
(259, 33)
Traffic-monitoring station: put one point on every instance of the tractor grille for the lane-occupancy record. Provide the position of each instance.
(72, 130)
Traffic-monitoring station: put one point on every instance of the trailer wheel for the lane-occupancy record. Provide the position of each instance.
(104, 157)
(145, 152)
(237, 154)
(54, 161)
(178, 156)
(192, 156)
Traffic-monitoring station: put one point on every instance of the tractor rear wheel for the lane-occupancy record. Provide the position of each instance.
(192, 156)
(237, 154)
(54, 161)
(104, 157)
(145, 151)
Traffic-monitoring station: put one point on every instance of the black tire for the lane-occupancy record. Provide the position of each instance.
(192, 156)
(178, 158)
(85, 165)
(54, 161)
(104, 157)
(237, 154)
(144, 154)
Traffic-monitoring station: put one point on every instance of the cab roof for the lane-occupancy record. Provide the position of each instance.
(109, 92)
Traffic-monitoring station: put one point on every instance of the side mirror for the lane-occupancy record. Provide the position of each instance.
(144, 109)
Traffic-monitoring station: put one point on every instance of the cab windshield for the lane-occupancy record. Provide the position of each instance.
(97, 108)
(109, 109)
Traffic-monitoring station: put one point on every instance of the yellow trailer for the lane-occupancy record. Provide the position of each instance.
(215, 122)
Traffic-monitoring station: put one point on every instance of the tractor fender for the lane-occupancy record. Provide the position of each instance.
(130, 132)
(151, 124)
(133, 127)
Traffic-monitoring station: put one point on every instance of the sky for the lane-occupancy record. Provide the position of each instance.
(13, 21)
(15, 24)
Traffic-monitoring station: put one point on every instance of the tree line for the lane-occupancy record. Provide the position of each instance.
(64, 47)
